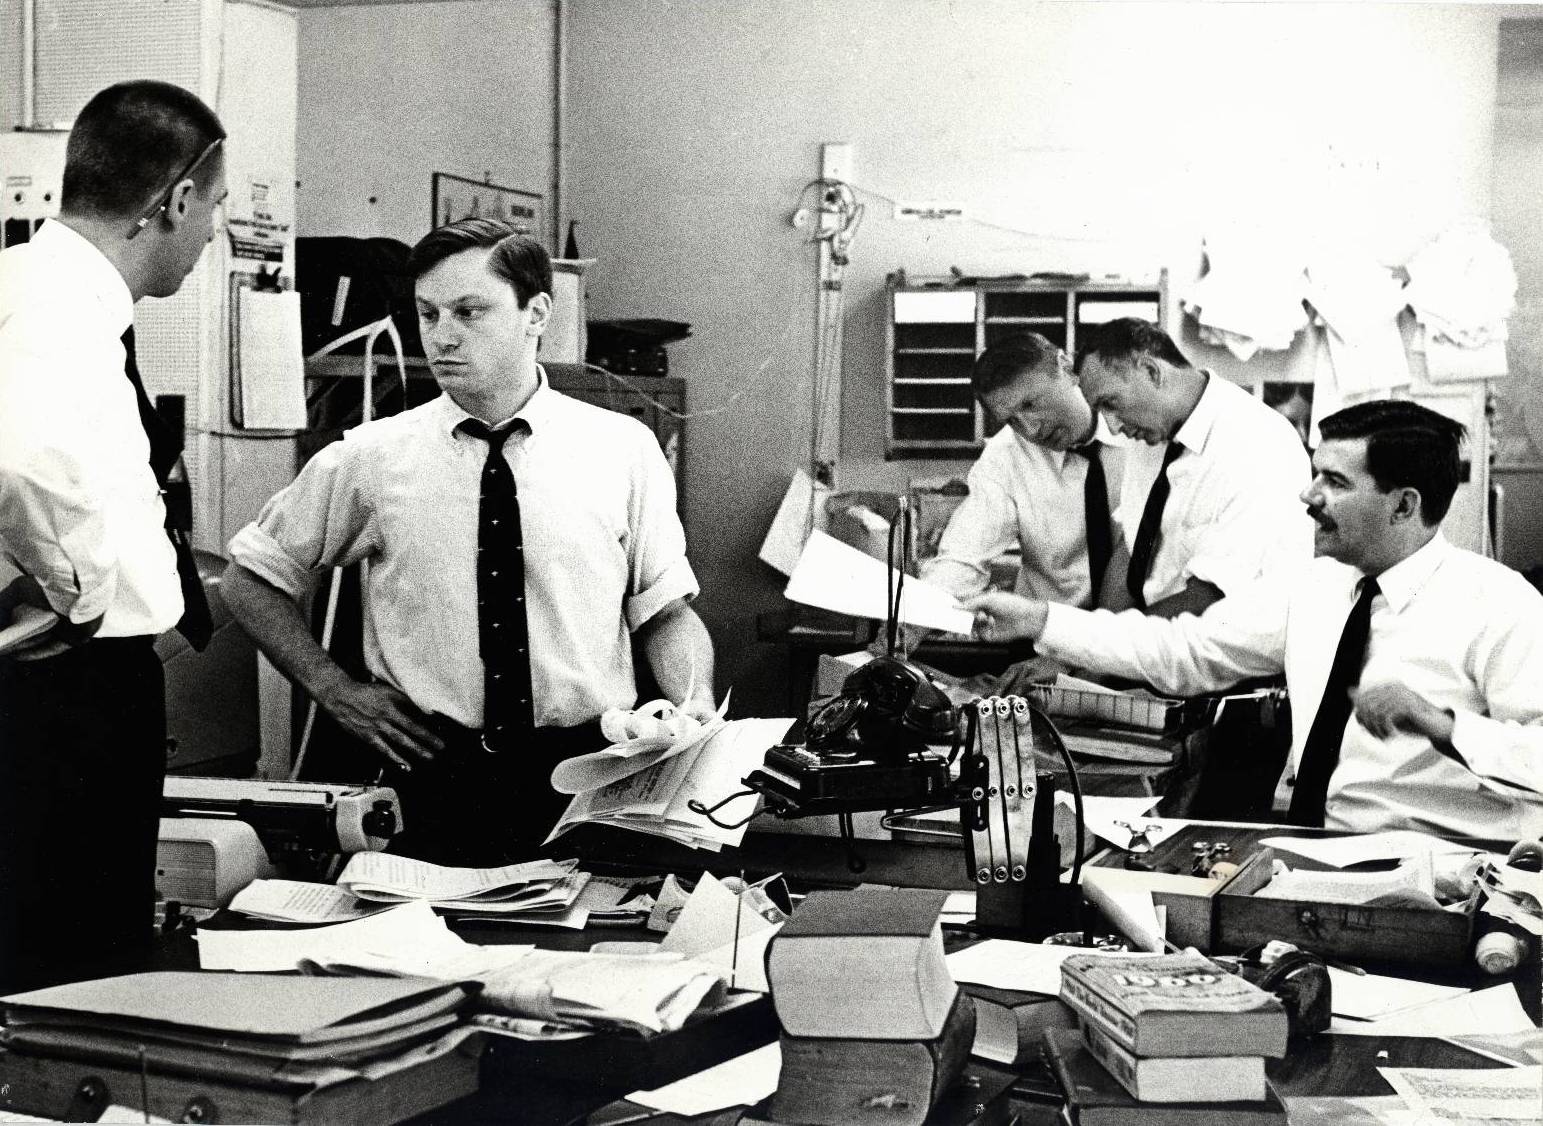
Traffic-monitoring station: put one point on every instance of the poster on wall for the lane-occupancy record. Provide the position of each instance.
(456, 197)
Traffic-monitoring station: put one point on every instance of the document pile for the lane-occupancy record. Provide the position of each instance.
(660, 768)
(536, 891)
(283, 1041)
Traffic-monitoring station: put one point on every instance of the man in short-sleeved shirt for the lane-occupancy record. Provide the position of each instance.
(603, 554)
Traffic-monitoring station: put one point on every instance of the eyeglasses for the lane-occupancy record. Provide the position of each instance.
(164, 200)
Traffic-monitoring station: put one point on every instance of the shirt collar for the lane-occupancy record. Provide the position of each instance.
(90, 271)
(536, 413)
(1406, 578)
(1195, 431)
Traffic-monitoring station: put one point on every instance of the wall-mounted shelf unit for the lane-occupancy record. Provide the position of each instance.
(937, 327)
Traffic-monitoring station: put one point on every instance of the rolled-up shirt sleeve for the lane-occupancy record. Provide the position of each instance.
(1242, 636)
(659, 572)
(981, 529)
(1505, 747)
(324, 518)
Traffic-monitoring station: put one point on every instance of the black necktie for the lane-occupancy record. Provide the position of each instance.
(1095, 507)
(502, 628)
(1146, 532)
(1320, 754)
(165, 453)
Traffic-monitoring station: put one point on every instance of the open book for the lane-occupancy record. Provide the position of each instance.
(651, 793)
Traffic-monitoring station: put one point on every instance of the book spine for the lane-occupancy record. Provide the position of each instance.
(1116, 1062)
(1099, 1010)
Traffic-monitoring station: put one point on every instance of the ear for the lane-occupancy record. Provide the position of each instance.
(177, 202)
(540, 313)
(1406, 505)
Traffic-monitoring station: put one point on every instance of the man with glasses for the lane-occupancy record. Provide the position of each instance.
(83, 459)
(1043, 484)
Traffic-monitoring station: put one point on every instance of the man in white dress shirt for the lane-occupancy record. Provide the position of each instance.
(1044, 483)
(1415, 668)
(1207, 505)
(82, 707)
(478, 687)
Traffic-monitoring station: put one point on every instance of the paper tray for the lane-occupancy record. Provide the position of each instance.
(1119, 709)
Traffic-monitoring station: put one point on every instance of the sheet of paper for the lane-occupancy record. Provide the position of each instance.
(707, 931)
(1444, 1094)
(1514, 1049)
(377, 873)
(1006, 964)
(958, 907)
(1340, 852)
(742, 1081)
(836, 577)
(1100, 814)
(1412, 876)
(271, 363)
(1493, 1010)
(802, 511)
(1130, 909)
(295, 901)
(410, 927)
(1373, 996)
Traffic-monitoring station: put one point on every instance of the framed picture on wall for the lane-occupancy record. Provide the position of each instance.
(456, 197)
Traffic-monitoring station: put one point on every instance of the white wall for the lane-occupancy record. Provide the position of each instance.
(1114, 134)
(392, 93)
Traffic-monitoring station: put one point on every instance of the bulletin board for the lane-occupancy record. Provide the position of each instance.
(456, 197)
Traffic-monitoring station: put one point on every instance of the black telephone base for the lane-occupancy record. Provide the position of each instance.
(797, 782)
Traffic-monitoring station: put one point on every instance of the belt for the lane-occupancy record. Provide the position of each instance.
(458, 735)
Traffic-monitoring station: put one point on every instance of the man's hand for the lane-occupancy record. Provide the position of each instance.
(381, 716)
(1020, 675)
(699, 707)
(1385, 709)
(64, 634)
(1006, 617)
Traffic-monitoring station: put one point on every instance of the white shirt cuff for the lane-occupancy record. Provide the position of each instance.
(678, 581)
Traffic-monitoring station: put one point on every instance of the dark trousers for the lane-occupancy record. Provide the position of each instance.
(82, 763)
(476, 809)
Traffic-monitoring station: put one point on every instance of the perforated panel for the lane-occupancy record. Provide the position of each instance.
(10, 64)
(84, 45)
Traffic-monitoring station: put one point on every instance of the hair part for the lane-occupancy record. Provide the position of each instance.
(1126, 338)
(1407, 447)
(1009, 358)
(128, 142)
(517, 258)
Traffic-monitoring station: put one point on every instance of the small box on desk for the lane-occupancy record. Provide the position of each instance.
(1225, 916)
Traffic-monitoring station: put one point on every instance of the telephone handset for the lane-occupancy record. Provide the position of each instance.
(887, 708)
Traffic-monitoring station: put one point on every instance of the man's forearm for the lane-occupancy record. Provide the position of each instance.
(275, 623)
(679, 648)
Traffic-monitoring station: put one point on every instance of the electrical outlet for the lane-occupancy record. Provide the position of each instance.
(836, 161)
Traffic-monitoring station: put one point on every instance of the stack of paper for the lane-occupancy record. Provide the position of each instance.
(247, 1028)
(651, 790)
(534, 891)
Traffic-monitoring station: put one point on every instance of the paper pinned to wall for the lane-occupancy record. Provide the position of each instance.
(270, 365)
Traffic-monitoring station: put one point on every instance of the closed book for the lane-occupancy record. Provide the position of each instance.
(862, 964)
(1174, 1005)
(1095, 1098)
(1010, 1023)
(1179, 1079)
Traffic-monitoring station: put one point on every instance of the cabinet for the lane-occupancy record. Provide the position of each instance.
(937, 327)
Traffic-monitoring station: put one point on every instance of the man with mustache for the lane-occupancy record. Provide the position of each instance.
(518, 542)
(1206, 504)
(1415, 668)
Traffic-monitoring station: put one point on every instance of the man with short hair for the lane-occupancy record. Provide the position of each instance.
(518, 542)
(82, 461)
(1205, 507)
(1042, 483)
(1415, 668)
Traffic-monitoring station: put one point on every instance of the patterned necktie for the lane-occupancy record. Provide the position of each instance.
(1320, 754)
(1095, 507)
(1146, 532)
(502, 628)
(165, 454)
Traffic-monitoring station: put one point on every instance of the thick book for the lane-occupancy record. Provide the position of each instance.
(1179, 1079)
(1095, 1098)
(1174, 1005)
(1010, 1023)
(863, 964)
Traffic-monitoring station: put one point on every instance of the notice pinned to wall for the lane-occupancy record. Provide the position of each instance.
(268, 366)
